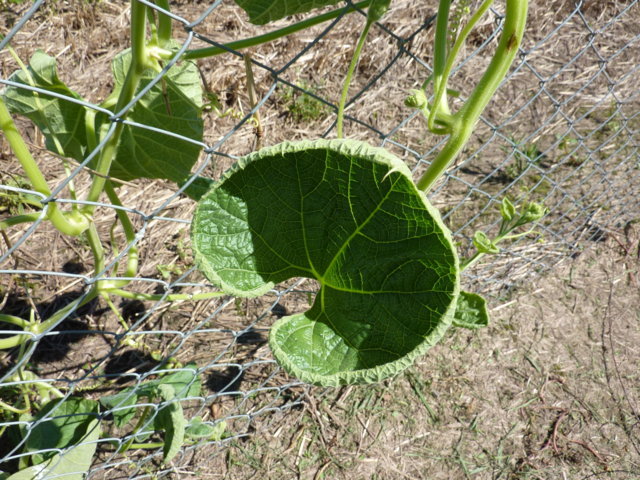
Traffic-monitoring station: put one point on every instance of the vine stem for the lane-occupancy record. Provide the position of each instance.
(39, 328)
(129, 233)
(70, 224)
(440, 55)
(139, 62)
(466, 118)
(349, 76)
(271, 36)
(18, 219)
(450, 62)
(172, 297)
(501, 237)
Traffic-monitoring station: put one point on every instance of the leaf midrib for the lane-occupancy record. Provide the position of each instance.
(321, 278)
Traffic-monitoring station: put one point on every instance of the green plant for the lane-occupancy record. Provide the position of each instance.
(340, 211)
(169, 419)
(13, 200)
(349, 216)
(524, 155)
(58, 422)
(302, 106)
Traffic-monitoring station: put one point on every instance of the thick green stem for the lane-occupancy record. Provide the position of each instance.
(271, 36)
(466, 118)
(349, 76)
(139, 62)
(451, 58)
(69, 224)
(38, 328)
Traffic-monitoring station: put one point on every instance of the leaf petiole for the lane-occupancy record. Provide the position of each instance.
(139, 62)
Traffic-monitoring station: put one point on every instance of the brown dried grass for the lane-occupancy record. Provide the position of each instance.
(537, 396)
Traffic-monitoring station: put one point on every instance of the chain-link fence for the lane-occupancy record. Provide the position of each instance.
(562, 130)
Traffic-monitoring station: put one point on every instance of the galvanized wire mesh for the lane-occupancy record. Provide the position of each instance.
(562, 130)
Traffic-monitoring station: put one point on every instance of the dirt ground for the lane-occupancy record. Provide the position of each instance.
(550, 390)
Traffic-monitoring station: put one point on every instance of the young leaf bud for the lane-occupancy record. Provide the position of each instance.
(484, 244)
(532, 213)
(507, 210)
(417, 99)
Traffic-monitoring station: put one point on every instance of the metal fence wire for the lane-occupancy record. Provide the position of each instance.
(563, 130)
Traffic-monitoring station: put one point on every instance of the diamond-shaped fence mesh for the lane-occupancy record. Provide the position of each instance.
(563, 129)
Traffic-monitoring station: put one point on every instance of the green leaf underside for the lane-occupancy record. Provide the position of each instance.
(73, 464)
(264, 11)
(174, 104)
(57, 119)
(471, 311)
(65, 424)
(348, 215)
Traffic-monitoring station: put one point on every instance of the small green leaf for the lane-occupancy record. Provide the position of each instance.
(72, 464)
(350, 216)
(115, 403)
(170, 418)
(61, 122)
(484, 244)
(197, 429)
(262, 12)
(64, 423)
(173, 104)
(507, 210)
(185, 382)
(471, 311)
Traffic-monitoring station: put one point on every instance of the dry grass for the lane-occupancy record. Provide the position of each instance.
(549, 391)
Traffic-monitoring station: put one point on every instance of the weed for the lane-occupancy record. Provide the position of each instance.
(302, 106)
(524, 155)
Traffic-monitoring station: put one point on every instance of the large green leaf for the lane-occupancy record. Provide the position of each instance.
(350, 216)
(174, 104)
(264, 11)
(64, 423)
(61, 122)
(73, 464)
